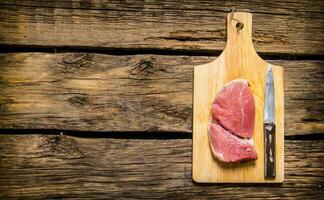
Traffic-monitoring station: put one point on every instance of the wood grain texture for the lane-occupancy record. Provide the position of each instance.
(239, 60)
(279, 26)
(48, 167)
(95, 92)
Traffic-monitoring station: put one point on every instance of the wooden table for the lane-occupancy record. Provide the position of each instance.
(96, 97)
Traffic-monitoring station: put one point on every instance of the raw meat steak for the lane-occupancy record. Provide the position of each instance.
(233, 113)
(227, 147)
(234, 108)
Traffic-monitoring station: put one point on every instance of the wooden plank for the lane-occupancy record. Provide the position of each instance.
(287, 26)
(47, 167)
(96, 92)
(238, 61)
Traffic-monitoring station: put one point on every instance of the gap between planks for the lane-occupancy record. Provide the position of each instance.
(4, 48)
(131, 134)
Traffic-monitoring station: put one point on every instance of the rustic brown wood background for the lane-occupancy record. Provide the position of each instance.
(96, 96)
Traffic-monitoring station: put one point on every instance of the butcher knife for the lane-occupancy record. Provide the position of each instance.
(269, 127)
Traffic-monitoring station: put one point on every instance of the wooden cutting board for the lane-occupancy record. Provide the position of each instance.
(238, 60)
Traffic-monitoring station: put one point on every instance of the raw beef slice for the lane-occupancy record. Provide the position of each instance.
(233, 112)
(234, 108)
(228, 148)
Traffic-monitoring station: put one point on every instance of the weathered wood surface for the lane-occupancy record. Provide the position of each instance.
(45, 167)
(293, 27)
(95, 92)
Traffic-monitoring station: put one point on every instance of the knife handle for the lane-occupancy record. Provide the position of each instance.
(269, 150)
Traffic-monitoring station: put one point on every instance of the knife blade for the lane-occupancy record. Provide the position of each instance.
(269, 127)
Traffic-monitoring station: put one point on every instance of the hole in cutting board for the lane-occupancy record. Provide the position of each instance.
(239, 25)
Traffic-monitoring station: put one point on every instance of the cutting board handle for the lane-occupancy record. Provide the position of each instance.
(239, 35)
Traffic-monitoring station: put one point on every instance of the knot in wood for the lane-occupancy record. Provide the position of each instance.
(78, 101)
(60, 145)
(75, 61)
(144, 67)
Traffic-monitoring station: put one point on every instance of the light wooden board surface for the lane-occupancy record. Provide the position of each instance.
(239, 60)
